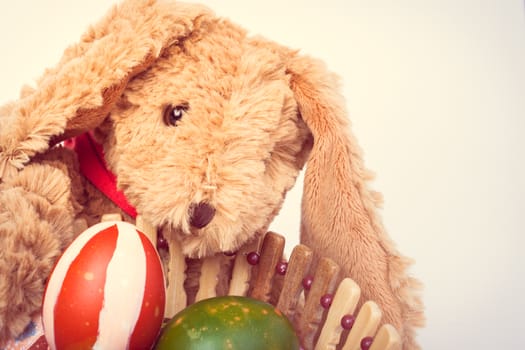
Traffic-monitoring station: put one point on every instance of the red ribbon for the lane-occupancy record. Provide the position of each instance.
(93, 167)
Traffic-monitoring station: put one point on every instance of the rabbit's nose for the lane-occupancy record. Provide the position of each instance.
(201, 214)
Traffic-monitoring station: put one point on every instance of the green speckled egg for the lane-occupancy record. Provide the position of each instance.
(229, 323)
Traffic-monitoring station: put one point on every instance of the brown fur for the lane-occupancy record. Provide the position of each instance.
(257, 112)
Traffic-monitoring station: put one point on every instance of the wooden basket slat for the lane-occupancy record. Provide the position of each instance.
(387, 338)
(271, 253)
(111, 217)
(209, 278)
(298, 267)
(365, 325)
(147, 228)
(176, 298)
(344, 303)
(325, 279)
(242, 271)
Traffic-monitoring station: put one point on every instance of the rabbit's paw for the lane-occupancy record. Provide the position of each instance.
(36, 223)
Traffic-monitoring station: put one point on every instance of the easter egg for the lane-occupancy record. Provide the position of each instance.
(230, 322)
(107, 291)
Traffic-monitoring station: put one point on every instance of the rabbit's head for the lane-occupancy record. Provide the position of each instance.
(208, 140)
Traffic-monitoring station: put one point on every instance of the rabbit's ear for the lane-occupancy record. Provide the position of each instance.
(339, 212)
(79, 92)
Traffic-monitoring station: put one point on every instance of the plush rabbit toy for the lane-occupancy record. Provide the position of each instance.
(205, 129)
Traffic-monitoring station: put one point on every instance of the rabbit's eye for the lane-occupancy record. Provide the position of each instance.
(172, 114)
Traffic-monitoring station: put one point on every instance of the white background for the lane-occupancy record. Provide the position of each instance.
(435, 89)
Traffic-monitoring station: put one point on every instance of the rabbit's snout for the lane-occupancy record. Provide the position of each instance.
(201, 214)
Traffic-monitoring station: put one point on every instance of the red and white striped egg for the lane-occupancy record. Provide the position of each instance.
(107, 291)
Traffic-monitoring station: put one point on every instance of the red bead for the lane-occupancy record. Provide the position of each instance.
(281, 268)
(307, 282)
(326, 300)
(347, 321)
(253, 258)
(366, 343)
